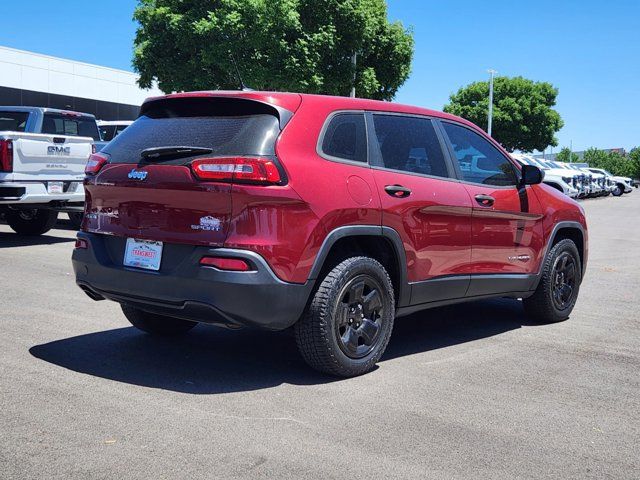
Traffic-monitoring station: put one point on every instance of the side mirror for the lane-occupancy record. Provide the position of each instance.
(531, 175)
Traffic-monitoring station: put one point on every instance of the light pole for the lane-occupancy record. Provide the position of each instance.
(491, 74)
(354, 61)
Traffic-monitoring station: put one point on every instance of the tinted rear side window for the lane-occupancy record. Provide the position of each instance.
(345, 137)
(73, 125)
(410, 144)
(229, 127)
(480, 162)
(13, 121)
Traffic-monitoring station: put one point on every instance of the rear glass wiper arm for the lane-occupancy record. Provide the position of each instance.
(154, 153)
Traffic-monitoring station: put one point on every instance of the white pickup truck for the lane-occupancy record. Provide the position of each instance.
(43, 152)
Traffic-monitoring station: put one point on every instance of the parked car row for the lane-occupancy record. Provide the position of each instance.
(578, 180)
(43, 154)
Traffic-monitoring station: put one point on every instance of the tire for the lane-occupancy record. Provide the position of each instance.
(348, 323)
(552, 301)
(31, 222)
(156, 324)
(76, 219)
(618, 191)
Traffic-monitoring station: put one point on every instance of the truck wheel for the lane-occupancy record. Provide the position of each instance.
(35, 221)
(618, 191)
(76, 219)
(557, 291)
(156, 324)
(347, 326)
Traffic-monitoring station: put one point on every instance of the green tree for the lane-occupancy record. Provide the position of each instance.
(613, 162)
(294, 45)
(634, 161)
(566, 155)
(523, 117)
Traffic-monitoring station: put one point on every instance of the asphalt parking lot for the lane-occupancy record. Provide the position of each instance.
(470, 391)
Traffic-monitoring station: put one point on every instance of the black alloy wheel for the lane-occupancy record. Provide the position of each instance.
(359, 316)
(564, 280)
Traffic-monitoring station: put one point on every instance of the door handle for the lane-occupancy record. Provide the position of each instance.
(485, 200)
(397, 191)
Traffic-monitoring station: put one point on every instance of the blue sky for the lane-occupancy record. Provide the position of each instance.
(588, 49)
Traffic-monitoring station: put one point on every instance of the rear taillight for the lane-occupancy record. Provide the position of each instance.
(6, 156)
(223, 263)
(95, 163)
(93, 148)
(82, 243)
(237, 169)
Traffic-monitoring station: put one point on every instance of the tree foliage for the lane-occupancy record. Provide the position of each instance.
(566, 155)
(523, 117)
(283, 45)
(634, 160)
(613, 162)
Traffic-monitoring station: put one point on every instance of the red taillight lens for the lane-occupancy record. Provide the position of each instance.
(82, 243)
(6, 156)
(237, 169)
(233, 264)
(95, 163)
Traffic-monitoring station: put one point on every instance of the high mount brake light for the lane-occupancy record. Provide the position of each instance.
(6, 156)
(237, 169)
(95, 163)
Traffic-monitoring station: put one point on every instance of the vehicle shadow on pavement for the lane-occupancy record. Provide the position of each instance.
(10, 240)
(446, 326)
(210, 360)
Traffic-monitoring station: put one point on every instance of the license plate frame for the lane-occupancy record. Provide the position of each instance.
(143, 254)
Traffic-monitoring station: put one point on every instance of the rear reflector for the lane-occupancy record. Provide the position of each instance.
(81, 243)
(6, 156)
(95, 163)
(233, 264)
(237, 169)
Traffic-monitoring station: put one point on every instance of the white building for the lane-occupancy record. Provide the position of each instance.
(32, 79)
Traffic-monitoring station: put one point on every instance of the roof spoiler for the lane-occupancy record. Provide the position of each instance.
(213, 105)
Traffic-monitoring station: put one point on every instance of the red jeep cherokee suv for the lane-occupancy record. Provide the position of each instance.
(330, 215)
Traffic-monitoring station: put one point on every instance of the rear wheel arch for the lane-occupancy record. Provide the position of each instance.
(380, 243)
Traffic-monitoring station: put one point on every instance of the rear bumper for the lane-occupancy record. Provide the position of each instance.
(184, 289)
(12, 193)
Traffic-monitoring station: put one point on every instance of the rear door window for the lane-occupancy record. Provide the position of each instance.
(13, 121)
(70, 124)
(410, 144)
(229, 127)
(345, 137)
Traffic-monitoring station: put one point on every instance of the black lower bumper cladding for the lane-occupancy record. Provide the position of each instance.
(183, 288)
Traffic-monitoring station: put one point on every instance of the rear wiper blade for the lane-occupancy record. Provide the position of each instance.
(173, 152)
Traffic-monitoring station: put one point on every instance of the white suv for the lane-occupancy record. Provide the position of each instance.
(620, 184)
(566, 182)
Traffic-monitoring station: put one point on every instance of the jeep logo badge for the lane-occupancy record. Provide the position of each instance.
(136, 175)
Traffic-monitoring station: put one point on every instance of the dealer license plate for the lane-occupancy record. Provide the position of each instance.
(55, 187)
(145, 254)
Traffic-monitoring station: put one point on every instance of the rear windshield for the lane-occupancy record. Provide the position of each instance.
(13, 121)
(226, 126)
(69, 124)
